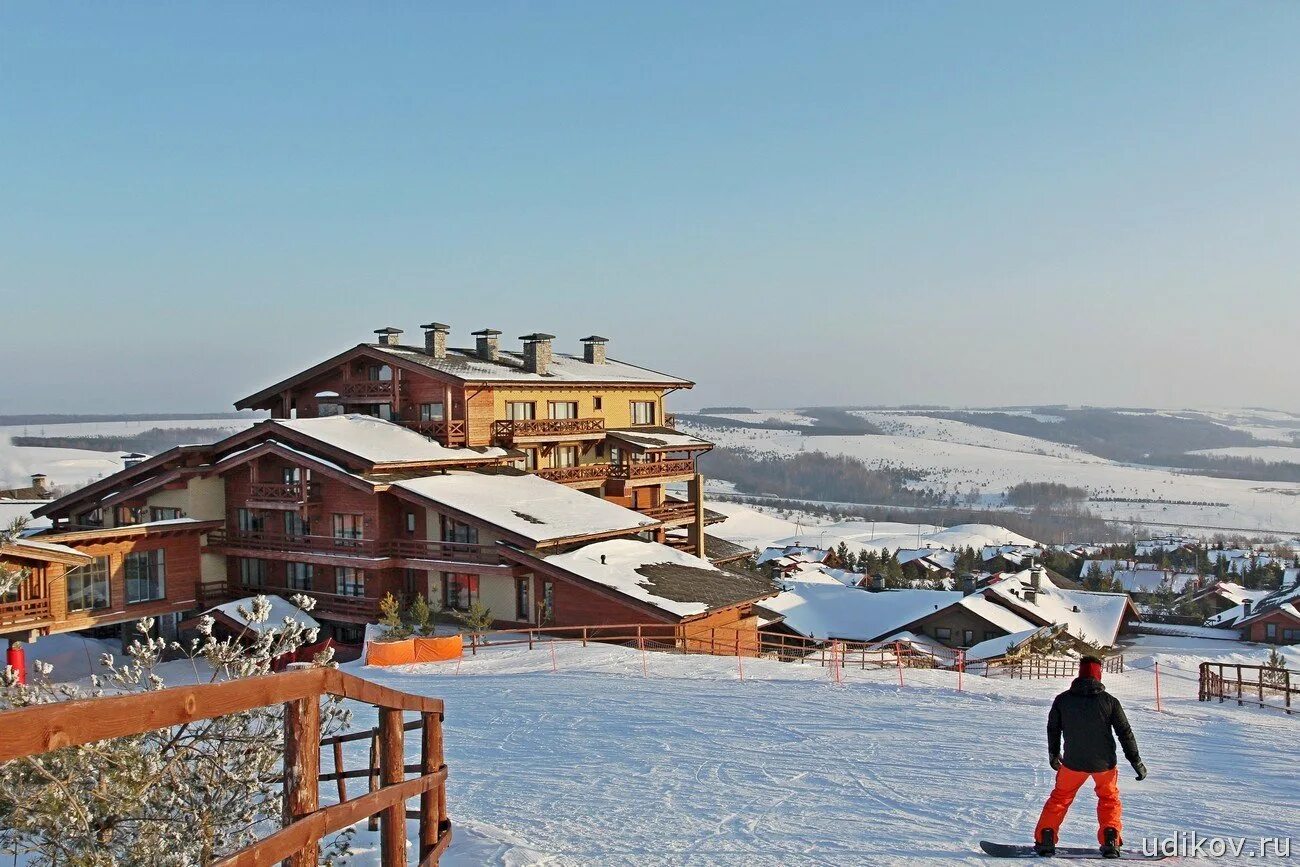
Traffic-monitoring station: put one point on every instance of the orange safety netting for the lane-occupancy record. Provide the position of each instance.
(391, 652)
(438, 649)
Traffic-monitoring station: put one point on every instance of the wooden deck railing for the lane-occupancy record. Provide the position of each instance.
(578, 473)
(449, 432)
(1254, 684)
(32, 731)
(515, 430)
(24, 611)
(409, 549)
(652, 469)
(669, 511)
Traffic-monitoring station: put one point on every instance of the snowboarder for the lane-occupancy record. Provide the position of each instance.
(1086, 714)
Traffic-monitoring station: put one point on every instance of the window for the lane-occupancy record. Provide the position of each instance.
(299, 575)
(247, 521)
(378, 410)
(990, 634)
(347, 527)
(291, 475)
(88, 586)
(454, 531)
(1270, 631)
(164, 513)
(379, 373)
(521, 599)
(547, 614)
(564, 456)
(564, 409)
(942, 633)
(349, 581)
(324, 410)
(252, 572)
(129, 515)
(295, 525)
(597, 403)
(432, 412)
(530, 460)
(521, 410)
(410, 522)
(967, 637)
(643, 412)
(1290, 634)
(459, 591)
(615, 455)
(146, 576)
(93, 518)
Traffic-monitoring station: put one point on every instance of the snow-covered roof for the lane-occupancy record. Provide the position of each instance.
(658, 438)
(1098, 616)
(49, 551)
(1150, 580)
(669, 579)
(836, 611)
(466, 364)
(1281, 599)
(526, 505)
(1002, 645)
(795, 553)
(1000, 616)
(378, 441)
(281, 610)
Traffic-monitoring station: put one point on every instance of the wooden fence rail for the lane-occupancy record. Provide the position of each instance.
(39, 729)
(1253, 684)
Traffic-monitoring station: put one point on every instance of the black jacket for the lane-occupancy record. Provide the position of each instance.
(1086, 714)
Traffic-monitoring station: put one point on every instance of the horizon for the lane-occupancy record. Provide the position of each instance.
(843, 205)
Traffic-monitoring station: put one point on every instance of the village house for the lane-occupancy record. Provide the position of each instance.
(1274, 619)
(460, 499)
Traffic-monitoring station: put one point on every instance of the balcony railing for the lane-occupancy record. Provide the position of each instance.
(670, 420)
(24, 611)
(579, 473)
(450, 432)
(652, 469)
(670, 511)
(516, 430)
(409, 549)
(367, 389)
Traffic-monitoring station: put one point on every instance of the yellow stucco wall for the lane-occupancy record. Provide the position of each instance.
(616, 403)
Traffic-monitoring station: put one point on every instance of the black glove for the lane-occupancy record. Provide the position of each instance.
(1141, 770)
(1055, 762)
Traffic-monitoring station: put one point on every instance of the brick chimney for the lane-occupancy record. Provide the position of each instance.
(967, 584)
(1246, 608)
(537, 352)
(593, 349)
(389, 336)
(487, 343)
(435, 339)
(38, 482)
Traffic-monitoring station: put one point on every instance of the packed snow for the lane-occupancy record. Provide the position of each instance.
(691, 764)
(378, 441)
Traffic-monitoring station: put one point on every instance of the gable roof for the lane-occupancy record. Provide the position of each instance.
(1098, 617)
(525, 506)
(466, 366)
(825, 611)
(377, 441)
(1282, 600)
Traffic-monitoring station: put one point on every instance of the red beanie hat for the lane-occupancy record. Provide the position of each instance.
(1090, 666)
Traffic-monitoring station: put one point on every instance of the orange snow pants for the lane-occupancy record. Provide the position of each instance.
(1109, 809)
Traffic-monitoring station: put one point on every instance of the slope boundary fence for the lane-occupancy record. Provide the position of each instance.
(33, 731)
(1277, 688)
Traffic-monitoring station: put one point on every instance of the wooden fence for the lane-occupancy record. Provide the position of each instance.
(1032, 667)
(39, 729)
(1254, 684)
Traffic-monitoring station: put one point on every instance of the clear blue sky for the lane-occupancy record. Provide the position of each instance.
(792, 203)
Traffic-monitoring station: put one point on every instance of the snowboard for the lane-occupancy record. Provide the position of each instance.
(1006, 850)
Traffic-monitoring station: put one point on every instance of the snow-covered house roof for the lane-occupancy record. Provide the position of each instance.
(794, 553)
(657, 439)
(378, 441)
(1150, 580)
(673, 581)
(282, 610)
(22, 548)
(526, 506)
(826, 611)
(1002, 645)
(1283, 600)
(1086, 615)
(1000, 616)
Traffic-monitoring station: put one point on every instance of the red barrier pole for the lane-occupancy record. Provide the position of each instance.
(1157, 687)
(553, 666)
(17, 660)
(644, 665)
(961, 667)
(898, 657)
(457, 671)
(740, 662)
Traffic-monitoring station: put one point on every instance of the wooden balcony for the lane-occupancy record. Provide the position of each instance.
(656, 470)
(541, 430)
(450, 433)
(671, 513)
(24, 611)
(670, 420)
(335, 546)
(367, 391)
(582, 473)
(280, 495)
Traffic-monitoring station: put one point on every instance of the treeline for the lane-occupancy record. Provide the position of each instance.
(816, 476)
(74, 418)
(1045, 494)
(1227, 467)
(831, 421)
(151, 441)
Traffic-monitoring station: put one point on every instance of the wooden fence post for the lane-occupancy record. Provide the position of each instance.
(430, 800)
(302, 770)
(1239, 701)
(372, 824)
(392, 820)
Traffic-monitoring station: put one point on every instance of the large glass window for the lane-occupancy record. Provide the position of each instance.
(164, 513)
(146, 576)
(521, 410)
(349, 581)
(522, 597)
(247, 521)
(88, 586)
(455, 531)
(252, 572)
(295, 525)
(347, 527)
(564, 409)
(432, 412)
(459, 591)
(643, 412)
(564, 456)
(299, 575)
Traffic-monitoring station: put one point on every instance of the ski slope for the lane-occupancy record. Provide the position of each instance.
(598, 764)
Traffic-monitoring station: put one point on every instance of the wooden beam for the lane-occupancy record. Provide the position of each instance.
(392, 820)
(302, 771)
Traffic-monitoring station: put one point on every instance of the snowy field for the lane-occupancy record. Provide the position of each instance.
(76, 467)
(596, 763)
(959, 457)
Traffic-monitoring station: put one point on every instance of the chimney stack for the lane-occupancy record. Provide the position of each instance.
(487, 344)
(593, 349)
(1246, 607)
(435, 339)
(38, 482)
(133, 459)
(389, 336)
(1036, 577)
(967, 584)
(537, 352)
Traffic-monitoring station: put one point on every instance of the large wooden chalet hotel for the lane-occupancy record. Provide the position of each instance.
(535, 482)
